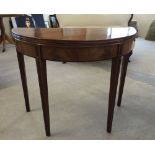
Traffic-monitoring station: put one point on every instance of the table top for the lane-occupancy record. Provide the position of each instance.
(73, 34)
(74, 44)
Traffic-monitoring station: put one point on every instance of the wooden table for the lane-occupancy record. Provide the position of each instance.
(4, 37)
(75, 45)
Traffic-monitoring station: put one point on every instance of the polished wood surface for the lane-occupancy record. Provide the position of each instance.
(75, 44)
(74, 34)
(4, 37)
(88, 43)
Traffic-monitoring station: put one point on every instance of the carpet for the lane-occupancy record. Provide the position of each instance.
(78, 99)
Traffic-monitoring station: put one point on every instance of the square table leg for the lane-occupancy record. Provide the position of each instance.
(42, 77)
(122, 78)
(23, 79)
(113, 90)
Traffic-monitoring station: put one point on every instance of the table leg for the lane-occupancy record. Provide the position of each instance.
(113, 89)
(42, 77)
(122, 78)
(23, 79)
(1, 39)
(3, 36)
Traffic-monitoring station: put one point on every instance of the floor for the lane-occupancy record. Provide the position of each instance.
(78, 98)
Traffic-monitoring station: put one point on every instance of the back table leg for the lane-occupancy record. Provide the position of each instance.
(122, 78)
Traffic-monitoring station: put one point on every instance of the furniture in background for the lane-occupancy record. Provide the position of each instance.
(94, 20)
(36, 20)
(53, 21)
(151, 32)
(70, 44)
(133, 23)
(39, 20)
(22, 21)
(29, 21)
(4, 37)
(19, 20)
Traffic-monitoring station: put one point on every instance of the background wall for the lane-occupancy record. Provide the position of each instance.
(143, 22)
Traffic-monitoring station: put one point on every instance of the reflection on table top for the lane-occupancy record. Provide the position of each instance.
(75, 34)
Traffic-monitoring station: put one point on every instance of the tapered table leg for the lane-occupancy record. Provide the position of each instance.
(3, 50)
(42, 77)
(113, 89)
(122, 78)
(2, 29)
(23, 79)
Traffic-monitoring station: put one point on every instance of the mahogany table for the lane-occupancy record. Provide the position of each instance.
(75, 45)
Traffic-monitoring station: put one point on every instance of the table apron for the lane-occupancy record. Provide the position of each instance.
(92, 53)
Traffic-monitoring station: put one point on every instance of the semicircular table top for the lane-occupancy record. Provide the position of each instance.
(74, 34)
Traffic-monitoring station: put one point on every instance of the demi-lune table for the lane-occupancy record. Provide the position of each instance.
(74, 45)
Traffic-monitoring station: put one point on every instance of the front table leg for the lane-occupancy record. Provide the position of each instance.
(23, 79)
(42, 77)
(113, 89)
